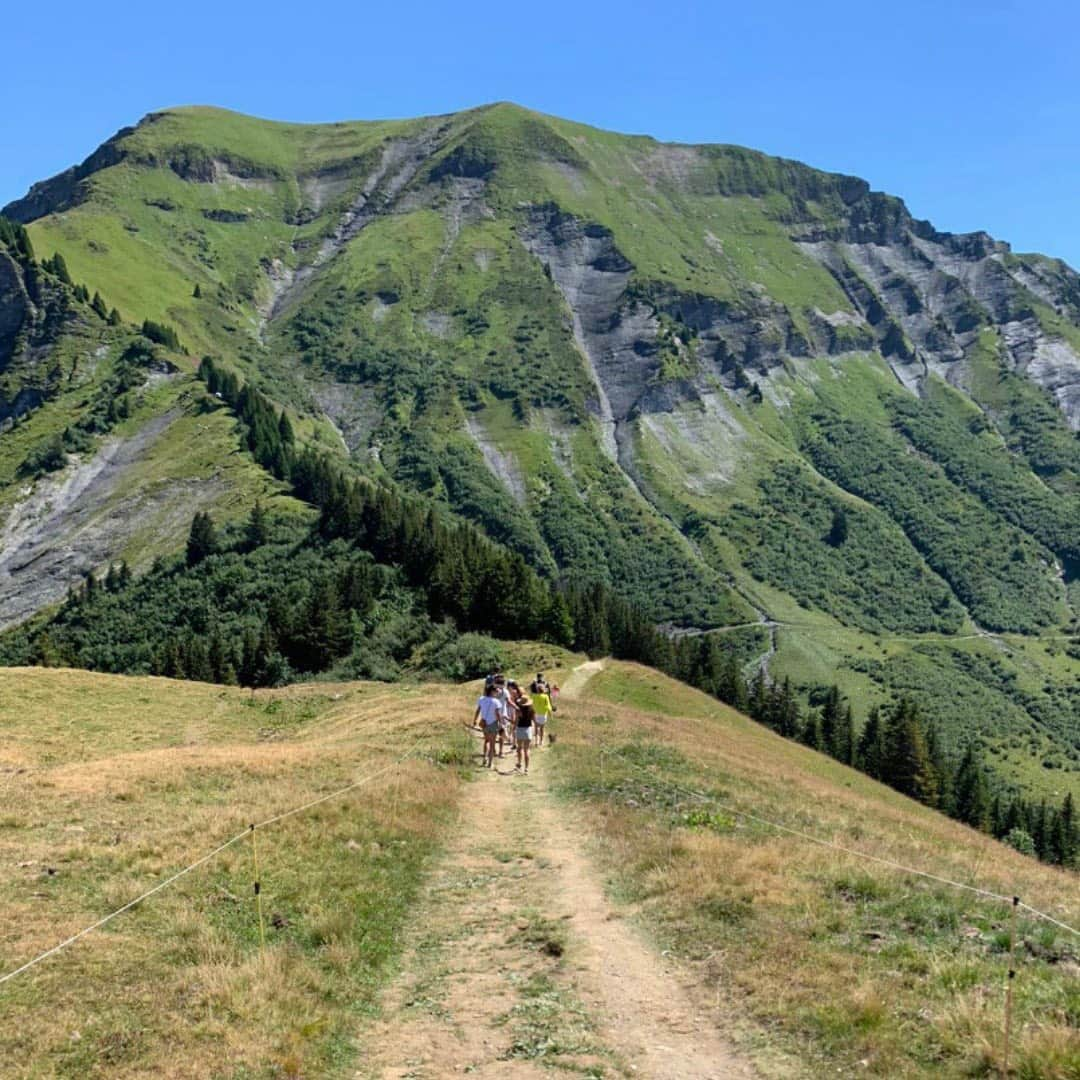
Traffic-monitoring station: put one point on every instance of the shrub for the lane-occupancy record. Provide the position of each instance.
(466, 657)
(48, 456)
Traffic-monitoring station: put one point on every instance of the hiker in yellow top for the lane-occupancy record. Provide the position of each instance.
(541, 702)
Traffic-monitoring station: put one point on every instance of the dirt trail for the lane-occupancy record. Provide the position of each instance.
(579, 678)
(516, 961)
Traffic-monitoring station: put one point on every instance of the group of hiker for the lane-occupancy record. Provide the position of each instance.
(506, 712)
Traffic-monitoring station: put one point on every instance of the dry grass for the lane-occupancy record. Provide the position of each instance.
(847, 963)
(111, 783)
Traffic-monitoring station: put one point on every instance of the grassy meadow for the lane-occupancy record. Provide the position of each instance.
(110, 784)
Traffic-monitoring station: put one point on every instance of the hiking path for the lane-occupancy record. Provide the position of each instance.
(515, 961)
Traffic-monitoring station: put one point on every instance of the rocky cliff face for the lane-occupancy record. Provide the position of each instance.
(33, 313)
(16, 308)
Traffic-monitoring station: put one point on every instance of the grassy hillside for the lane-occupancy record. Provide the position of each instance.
(121, 781)
(845, 964)
(810, 960)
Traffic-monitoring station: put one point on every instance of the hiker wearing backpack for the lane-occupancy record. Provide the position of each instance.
(489, 712)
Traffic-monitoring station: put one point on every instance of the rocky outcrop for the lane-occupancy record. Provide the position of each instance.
(396, 165)
(71, 523)
(66, 189)
(616, 333)
(16, 307)
(928, 297)
(34, 309)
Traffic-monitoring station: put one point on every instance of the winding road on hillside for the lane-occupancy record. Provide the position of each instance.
(516, 961)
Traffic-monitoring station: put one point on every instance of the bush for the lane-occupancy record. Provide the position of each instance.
(1021, 840)
(466, 657)
(48, 456)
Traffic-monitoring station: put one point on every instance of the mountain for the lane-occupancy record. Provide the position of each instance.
(752, 397)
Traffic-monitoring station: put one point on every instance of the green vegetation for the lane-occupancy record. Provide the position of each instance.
(1027, 416)
(863, 571)
(956, 437)
(1006, 585)
(234, 613)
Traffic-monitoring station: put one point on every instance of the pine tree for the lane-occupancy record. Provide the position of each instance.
(941, 771)
(970, 798)
(197, 292)
(257, 531)
(830, 721)
(59, 267)
(838, 532)
(997, 818)
(810, 733)
(870, 751)
(1040, 829)
(265, 654)
(557, 626)
(202, 539)
(1067, 840)
(733, 689)
(99, 306)
(221, 659)
(196, 660)
(249, 659)
(846, 738)
(907, 765)
(285, 430)
(170, 661)
(114, 318)
(759, 698)
(786, 713)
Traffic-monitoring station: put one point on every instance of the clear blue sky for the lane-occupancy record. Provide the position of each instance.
(966, 109)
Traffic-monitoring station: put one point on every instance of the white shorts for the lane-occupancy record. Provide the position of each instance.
(541, 719)
(523, 734)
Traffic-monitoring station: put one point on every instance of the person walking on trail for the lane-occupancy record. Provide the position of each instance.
(542, 707)
(506, 730)
(523, 731)
(489, 712)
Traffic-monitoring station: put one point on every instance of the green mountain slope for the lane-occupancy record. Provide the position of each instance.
(736, 388)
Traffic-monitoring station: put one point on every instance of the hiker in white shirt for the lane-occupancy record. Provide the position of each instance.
(490, 713)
